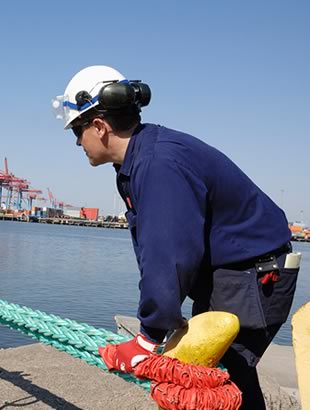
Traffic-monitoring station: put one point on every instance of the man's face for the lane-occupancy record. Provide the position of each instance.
(89, 137)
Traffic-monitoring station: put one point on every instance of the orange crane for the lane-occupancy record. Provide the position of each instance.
(18, 186)
(51, 197)
(12, 184)
(5, 178)
(55, 203)
(32, 194)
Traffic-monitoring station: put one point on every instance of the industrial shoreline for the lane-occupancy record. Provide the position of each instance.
(114, 223)
(40, 377)
(119, 224)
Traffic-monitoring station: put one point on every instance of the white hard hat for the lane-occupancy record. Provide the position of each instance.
(90, 80)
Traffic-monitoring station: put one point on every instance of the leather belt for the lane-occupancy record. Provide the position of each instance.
(250, 263)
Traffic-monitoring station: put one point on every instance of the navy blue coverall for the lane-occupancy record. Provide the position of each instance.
(198, 226)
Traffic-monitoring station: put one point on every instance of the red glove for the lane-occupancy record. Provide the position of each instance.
(125, 356)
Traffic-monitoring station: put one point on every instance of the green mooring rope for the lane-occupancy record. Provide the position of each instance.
(78, 339)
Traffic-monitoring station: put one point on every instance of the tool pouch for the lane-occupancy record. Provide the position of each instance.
(266, 264)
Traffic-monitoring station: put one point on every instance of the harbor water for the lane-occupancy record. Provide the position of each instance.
(85, 274)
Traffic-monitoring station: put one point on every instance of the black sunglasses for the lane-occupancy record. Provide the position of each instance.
(78, 129)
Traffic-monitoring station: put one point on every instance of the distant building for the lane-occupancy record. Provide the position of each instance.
(299, 232)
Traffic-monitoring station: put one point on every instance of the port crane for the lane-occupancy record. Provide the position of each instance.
(16, 186)
(51, 198)
(13, 185)
(32, 194)
(19, 189)
(5, 178)
(55, 203)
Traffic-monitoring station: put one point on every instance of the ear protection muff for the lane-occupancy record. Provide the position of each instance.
(124, 94)
(116, 96)
(143, 93)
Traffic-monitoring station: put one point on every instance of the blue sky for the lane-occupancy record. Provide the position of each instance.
(233, 73)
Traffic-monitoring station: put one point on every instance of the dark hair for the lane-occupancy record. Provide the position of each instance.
(120, 120)
(124, 119)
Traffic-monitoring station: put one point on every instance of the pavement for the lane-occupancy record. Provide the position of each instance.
(40, 377)
(278, 378)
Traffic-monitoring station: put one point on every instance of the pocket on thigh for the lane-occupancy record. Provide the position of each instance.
(237, 292)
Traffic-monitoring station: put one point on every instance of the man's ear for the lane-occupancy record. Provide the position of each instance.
(100, 126)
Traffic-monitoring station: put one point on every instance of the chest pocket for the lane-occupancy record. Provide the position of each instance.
(132, 219)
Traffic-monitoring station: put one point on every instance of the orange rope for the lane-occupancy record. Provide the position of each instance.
(179, 386)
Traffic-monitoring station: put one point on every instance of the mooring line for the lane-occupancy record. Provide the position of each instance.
(77, 339)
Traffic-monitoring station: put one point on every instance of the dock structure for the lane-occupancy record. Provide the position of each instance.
(65, 221)
(84, 222)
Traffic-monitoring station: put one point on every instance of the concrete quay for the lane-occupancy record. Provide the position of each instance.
(40, 377)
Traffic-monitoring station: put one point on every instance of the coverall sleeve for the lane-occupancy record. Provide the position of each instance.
(171, 208)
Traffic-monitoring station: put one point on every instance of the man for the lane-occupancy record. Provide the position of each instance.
(200, 227)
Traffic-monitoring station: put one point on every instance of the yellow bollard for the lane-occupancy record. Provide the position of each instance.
(205, 339)
(301, 344)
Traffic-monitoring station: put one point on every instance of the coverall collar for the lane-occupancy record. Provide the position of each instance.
(133, 146)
